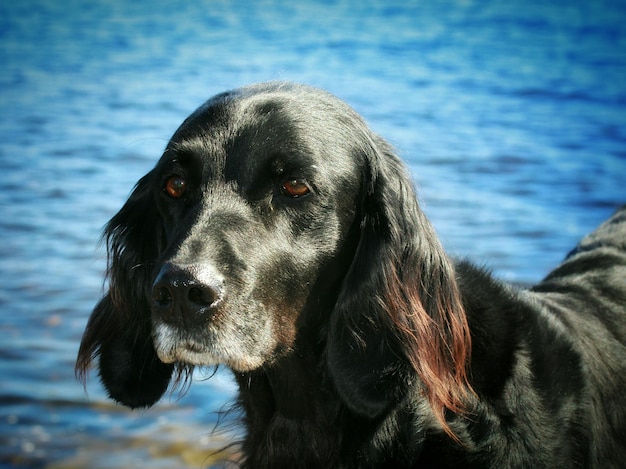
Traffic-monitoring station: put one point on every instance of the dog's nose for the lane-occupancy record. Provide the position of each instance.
(187, 295)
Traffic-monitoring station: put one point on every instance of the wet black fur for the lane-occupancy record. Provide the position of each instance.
(548, 364)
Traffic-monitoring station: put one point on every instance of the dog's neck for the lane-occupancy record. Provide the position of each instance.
(290, 401)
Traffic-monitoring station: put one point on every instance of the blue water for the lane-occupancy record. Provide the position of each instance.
(511, 117)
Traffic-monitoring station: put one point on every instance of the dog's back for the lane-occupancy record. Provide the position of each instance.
(587, 295)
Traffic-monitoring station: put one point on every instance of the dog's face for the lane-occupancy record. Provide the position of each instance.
(256, 196)
(277, 223)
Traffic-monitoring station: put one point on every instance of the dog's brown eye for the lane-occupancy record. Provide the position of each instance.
(175, 187)
(295, 188)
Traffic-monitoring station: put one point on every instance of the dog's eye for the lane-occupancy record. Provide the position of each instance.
(295, 188)
(175, 187)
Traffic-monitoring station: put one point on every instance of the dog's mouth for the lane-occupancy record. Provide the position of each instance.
(174, 345)
(193, 347)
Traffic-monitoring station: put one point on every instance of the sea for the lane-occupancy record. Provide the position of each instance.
(511, 116)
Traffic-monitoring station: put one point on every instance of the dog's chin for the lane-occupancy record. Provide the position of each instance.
(187, 353)
(173, 346)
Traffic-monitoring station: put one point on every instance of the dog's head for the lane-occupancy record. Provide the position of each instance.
(273, 209)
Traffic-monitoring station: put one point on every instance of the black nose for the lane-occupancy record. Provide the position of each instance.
(187, 295)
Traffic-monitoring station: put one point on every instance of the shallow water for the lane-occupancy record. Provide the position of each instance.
(511, 118)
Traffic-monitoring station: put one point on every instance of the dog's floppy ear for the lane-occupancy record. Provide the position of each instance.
(398, 321)
(119, 331)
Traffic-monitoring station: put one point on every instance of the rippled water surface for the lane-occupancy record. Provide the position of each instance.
(511, 117)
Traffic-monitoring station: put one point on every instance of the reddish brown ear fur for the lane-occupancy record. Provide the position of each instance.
(399, 315)
(435, 335)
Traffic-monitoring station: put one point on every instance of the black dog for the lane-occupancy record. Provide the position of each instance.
(279, 236)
